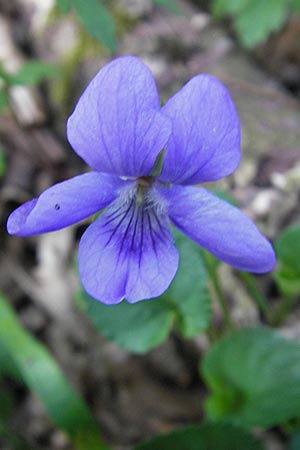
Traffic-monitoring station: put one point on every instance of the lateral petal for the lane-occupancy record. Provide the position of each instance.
(65, 203)
(116, 126)
(128, 252)
(221, 228)
(205, 140)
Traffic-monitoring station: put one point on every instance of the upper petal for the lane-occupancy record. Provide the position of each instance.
(64, 204)
(128, 252)
(221, 228)
(116, 126)
(205, 140)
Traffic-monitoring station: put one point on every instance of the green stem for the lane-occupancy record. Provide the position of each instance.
(211, 267)
(283, 309)
(259, 298)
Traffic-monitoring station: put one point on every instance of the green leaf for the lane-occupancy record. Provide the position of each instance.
(287, 246)
(295, 4)
(295, 441)
(259, 19)
(64, 5)
(171, 5)
(207, 436)
(2, 163)
(4, 101)
(97, 20)
(41, 374)
(7, 405)
(141, 326)
(254, 20)
(254, 376)
(223, 7)
(6, 363)
(289, 285)
(135, 327)
(188, 291)
(5, 76)
(10, 439)
(33, 72)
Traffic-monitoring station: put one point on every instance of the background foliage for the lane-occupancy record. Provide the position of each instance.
(251, 376)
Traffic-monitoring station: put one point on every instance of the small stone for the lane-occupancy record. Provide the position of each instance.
(200, 21)
(263, 202)
(136, 9)
(278, 180)
(59, 441)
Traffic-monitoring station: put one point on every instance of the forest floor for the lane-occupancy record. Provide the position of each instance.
(135, 396)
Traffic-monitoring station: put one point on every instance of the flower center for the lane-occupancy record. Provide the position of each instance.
(143, 184)
(145, 181)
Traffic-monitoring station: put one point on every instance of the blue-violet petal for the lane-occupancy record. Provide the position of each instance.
(117, 126)
(221, 228)
(205, 141)
(65, 203)
(128, 252)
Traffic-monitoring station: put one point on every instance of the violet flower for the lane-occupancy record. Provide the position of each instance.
(119, 129)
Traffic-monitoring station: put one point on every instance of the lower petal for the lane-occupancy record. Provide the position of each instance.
(221, 228)
(64, 203)
(128, 252)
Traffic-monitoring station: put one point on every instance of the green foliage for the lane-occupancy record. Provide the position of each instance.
(287, 247)
(254, 376)
(97, 20)
(221, 7)
(170, 4)
(23, 355)
(254, 20)
(207, 436)
(4, 102)
(189, 292)
(7, 432)
(295, 4)
(64, 5)
(7, 404)
(4, 79)
(295, 441)
(2, 163)
(137, 327)
(30, 73)
(4, 76)
(141, 326)
(33, 72)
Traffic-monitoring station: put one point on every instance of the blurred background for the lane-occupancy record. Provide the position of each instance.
(49, 50)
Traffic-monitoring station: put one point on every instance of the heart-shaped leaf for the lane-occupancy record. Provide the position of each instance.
(207, 436)
(254, 376)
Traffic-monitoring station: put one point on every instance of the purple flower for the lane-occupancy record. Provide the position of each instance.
(119, 129)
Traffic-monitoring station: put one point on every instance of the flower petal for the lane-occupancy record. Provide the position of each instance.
(205, 141)
(221, 228)
(128, 252)
(64, 204)
(116, 126)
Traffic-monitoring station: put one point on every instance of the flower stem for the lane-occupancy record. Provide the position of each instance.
(259, 298)
(283, 309)
(211, 268)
